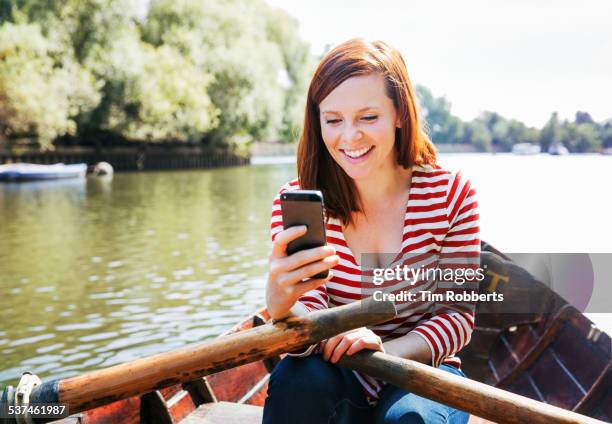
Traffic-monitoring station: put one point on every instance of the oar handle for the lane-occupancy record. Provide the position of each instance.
(462, 393)
(188, 363)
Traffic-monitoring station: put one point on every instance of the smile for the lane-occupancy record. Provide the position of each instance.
(357, 153)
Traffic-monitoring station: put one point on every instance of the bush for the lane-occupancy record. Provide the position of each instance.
(40, 97)
(250, 50)
(151, 93)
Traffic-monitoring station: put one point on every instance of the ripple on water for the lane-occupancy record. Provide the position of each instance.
(75, 357)
(42, 359)
(137, 317)
(31, 340)
(135, 339)
(179, 296)
(135, 309)
(127, 301)
(50, 348)
(99, 336)
(183, 272)
(78, 326)
(46, 289)
(108, 295)
(159, 280)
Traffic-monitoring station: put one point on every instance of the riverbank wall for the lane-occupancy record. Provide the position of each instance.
(147, 158)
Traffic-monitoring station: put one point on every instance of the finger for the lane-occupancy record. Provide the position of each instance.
(340, 348)
(307, 271)
(330, 345)
(308, 256)
(282, 239)
(313, 283)
(301, 258)
(371, 343)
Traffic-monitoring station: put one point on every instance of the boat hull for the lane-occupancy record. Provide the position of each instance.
(32, 172)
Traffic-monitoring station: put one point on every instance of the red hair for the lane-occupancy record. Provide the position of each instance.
(316, 168)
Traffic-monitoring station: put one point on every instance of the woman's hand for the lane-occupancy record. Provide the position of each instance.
(287, 272)
(349, 343)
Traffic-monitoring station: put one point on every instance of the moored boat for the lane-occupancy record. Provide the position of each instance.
(526, 149)
(557, 149)
(34, 172)
(551, 353)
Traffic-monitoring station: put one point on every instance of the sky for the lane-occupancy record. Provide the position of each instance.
(523, 59)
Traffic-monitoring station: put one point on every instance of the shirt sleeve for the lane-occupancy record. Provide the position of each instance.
(450, 327)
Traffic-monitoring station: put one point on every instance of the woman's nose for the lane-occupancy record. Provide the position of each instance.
(351, 133)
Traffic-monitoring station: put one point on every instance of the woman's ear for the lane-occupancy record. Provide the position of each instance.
(398, 123)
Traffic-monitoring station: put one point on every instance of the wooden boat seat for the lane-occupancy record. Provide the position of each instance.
(225, 413)
(235, 413)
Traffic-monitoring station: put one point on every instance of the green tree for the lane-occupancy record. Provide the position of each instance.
(587, 138)
(442, 126)
(551, 132)
(583, 118)
(605, 134)
(237, 42)
(157, 95)
(299, 66)
(517, 132)
(499, 128)
(39, 96)
(580, 138)
(83, 25)
(477, 134)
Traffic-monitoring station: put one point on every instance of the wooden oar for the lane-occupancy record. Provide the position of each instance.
(188, 363)
(468, 395)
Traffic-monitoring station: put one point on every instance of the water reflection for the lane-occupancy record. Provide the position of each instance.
(102, 272)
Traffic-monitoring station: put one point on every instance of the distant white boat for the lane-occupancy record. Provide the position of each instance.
(33, 172)
(557, 149)
(272, 160)
(526, 149)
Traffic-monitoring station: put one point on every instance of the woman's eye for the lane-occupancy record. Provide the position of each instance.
(369, 117)
(332, 121)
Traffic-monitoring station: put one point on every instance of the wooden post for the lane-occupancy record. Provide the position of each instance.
(191, 362)
(462, 393)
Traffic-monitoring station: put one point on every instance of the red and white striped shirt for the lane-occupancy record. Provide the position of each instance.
(441, 218)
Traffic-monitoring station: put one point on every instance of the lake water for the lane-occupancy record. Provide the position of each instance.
(95, 273)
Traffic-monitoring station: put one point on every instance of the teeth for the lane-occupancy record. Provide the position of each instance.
(357, 153)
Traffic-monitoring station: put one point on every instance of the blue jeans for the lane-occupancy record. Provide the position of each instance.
(312, 391)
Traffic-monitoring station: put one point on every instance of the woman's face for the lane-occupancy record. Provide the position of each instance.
(358, 123)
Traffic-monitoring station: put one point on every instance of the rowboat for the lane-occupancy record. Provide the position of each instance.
(33, 172)
(550, 353)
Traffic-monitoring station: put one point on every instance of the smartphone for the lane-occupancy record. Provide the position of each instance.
(304, 207)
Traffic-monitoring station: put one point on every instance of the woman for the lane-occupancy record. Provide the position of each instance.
(363, 146)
